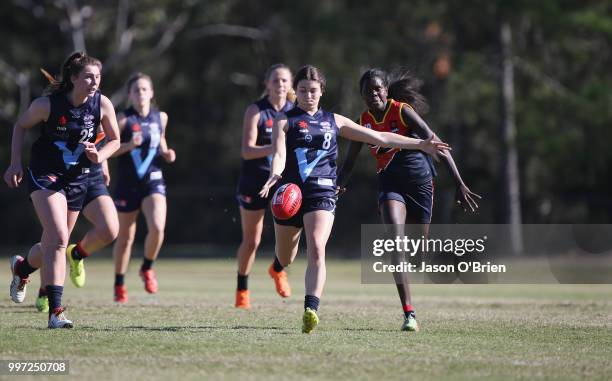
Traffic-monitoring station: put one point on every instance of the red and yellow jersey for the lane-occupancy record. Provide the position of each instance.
(392, 121)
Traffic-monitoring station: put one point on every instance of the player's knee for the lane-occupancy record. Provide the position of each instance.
(56, 240)
(156, 230)
(108, 233)
(316, 253)
(251, 244)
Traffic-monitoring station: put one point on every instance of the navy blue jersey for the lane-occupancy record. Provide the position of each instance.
(60, 145)
(311, 152)
(260, 168)
(143, 163)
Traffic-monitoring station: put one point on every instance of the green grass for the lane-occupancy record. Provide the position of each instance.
(190, 330)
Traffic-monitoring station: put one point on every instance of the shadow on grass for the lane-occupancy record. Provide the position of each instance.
(178, 328)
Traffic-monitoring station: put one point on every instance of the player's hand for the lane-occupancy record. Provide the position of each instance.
(339, 191)
(265, 190)
(92, 153)
(466, 198)
(169, 155)
(137, 139)
(13, 175)
(433, 147)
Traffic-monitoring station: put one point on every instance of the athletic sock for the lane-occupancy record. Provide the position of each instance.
(119, 279)
(79, 253)
(23, 268)
(408, 310)
(147, 264)
(42, 292)
(277, 266)
(243, 282)
(54, 293)
(312, 302)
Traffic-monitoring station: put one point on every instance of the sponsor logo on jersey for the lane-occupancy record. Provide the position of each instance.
(326, 125)
(394, 128)
(121, 203)
(368, 125)
(76, 112)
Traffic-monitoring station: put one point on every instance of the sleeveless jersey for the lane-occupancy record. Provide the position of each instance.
(143, 163)
(311, 152)
(60, 145)
(413, 165)
(260, 168)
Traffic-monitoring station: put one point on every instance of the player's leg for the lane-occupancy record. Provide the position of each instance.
(393, 215)
(102, 214)
(287, 240)
(52, 210)
(154, 211)
(252, 227)
(122, 250)
(317, 228)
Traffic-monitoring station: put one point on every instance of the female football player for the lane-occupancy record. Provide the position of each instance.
(256, 154)
(405, 177)
(140, 182)
(59, 170)
(304, 153)
(99, 209)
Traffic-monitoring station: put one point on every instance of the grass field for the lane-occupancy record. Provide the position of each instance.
(190, 330)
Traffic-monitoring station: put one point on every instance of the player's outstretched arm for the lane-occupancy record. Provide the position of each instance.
(353, 131)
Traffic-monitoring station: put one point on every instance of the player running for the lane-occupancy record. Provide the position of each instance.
(256, 157)
(140, 182)
(58, 174)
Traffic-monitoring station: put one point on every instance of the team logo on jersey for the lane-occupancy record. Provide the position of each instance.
(308, 138)
(121, 203)
(88, 121)
(394, 127)
(62, 120)
(269, 123)
(136, 127)
(302, 124)
(368, 125)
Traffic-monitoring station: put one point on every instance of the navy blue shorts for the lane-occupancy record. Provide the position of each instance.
(252, 201)
(95, 188)
(73, 185)
(129, 198)
(418, 198)
(309, 205)
(247, 193)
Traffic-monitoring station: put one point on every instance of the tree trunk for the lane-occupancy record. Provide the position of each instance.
(511, 203)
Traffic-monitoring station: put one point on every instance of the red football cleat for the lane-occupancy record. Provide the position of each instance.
(242, 299)
(121, 295)
(280, 281)
(150, 280)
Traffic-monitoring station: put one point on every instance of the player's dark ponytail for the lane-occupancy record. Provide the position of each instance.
(72, 66)
(404, 87)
